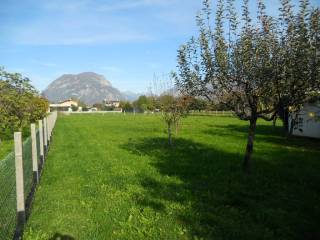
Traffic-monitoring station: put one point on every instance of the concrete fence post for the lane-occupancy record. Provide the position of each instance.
(21, 215)
(34, 153)
(51, 125)
(45, 120)
(41, 142)
(45, 136)
(48, 132)
(49, 129)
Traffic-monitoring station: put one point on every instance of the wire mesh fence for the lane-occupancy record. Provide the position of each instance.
(8, 172)
(38, 145)
(27, 167)
(212, 113)
(7, 197)
(38, 150)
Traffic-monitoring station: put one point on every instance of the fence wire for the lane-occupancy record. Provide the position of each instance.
(7, 197)
(27, 167)
(38, 150)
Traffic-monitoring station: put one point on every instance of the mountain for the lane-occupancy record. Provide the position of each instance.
(130, 96)
(88, 87)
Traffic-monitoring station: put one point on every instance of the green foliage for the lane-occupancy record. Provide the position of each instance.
(74, 108)
(109, 108)
(37, 107)
(20, 104)
(82, 105)
(99, 106)
(198, 104)
(125, 183)
(126, 106)
(264, 69)
(173, 109)
(144, 103)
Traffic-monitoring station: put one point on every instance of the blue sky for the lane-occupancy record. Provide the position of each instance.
(125, 40)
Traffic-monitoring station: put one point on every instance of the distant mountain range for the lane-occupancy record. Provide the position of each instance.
(88, 87)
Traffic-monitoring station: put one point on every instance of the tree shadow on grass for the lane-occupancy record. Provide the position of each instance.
(59, 236)
(219, 202)
(265, 133)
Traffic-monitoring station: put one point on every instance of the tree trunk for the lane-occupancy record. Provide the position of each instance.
(177, 128)
(286, 120)
(247, 158)
(284, 116)
(293, 123)
(169, 134)
(274, 122)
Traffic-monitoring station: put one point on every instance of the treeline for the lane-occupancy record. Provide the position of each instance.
(156, 103)
(20, 103)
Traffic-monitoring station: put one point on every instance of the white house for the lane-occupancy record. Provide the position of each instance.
(308, 121)
(113, 103)
(64, 105)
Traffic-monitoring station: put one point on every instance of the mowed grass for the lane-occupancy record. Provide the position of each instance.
(114, 177)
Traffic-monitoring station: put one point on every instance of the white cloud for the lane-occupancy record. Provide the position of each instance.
(35, 39)
(79, 22)
(86, 30)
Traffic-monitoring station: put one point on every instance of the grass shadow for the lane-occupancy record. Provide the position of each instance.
(59, 236)
(265, 133)
(219, 201)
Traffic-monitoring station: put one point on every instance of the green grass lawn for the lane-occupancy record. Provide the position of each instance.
(114, 177)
